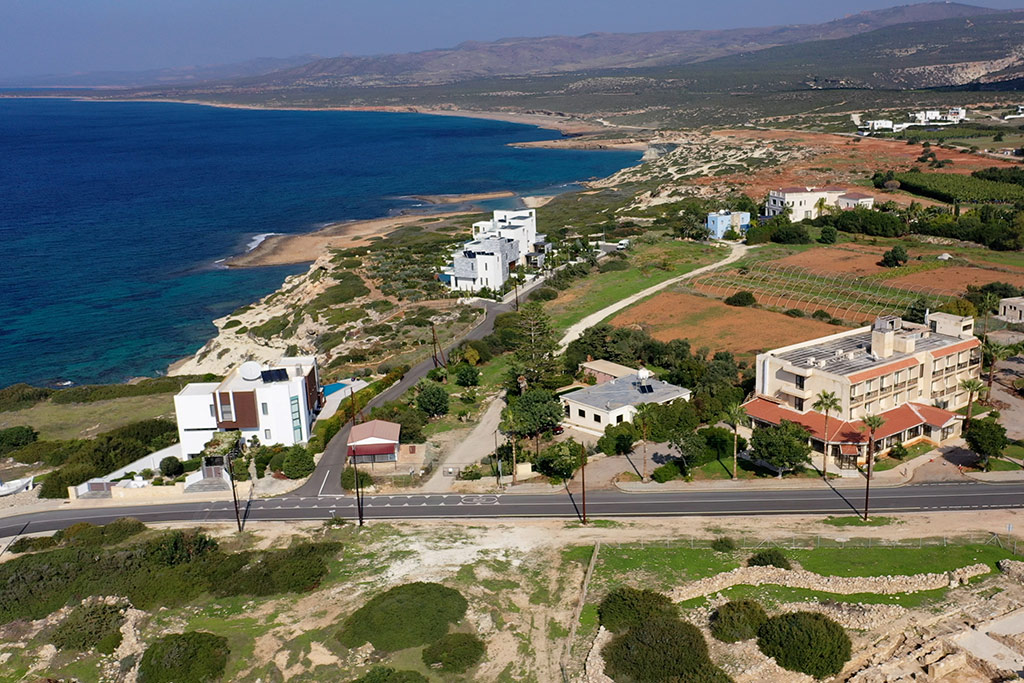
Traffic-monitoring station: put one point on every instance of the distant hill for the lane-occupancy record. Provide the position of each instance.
(559, 54)
(169, 76)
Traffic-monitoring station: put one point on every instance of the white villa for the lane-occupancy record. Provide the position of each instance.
(808, 202)
(615, 401)
(498, 247)
(276, 403)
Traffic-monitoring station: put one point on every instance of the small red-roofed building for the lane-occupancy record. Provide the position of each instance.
(374, 441)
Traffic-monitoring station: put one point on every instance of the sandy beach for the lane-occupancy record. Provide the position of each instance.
(442, 199)
(279, 250)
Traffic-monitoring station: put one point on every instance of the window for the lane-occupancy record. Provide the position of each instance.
(618, 419)
(266, 411)
(296, 420)
(266, 434)
(213, 410)
(799, 404)
(597, 418)
(799, 381)
(581, 412)
(226, 414)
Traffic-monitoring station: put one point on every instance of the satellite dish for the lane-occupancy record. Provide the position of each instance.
(250, 370)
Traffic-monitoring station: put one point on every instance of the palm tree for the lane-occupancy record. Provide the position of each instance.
(989, 303)
(826, 403)
(995, 352)
(820, 206)
(643, 418)
(972, 386)
(873, 423)
(735, 416)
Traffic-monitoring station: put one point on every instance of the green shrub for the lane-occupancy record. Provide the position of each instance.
(271, 328)
(738, 620)
(191, 657)
(385, 674)
(898, 451)
(292, 570)
(95, 625)
(405, 616)
(171, 467)
(741, 299)
(772, 557)
(723, 544)
(661, 650)
(667, 472)
(92, 536)
(795, 313)
(19, 396)
(27, 544)
(807, 642)
(613, 265)
(455, 652)
(14, 438)
(466, 375)
(348, 479)
(544, 294)
(52, 453)
(276, 463)
(298, 463)
(625, 607)
(179, 547)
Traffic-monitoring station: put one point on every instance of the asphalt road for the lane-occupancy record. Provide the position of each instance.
(916, 498)
(326, 479)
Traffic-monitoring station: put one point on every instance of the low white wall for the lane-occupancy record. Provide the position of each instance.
(151, 461)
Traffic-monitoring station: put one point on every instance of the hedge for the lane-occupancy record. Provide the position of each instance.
(190, 657)
(455, 652)
(405, 616)
(807, 642)
(626, 607)
(738, 620)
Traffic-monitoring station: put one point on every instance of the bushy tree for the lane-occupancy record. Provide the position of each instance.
(959, 307)
(298, 463)
(409, 416)
(828, 235)
(618, 439)
(895, 257)
(405, 616)
(433, 400)
(784, 446)
(171, 467)
(692, 450)
(559, 460)
(533, 413)
(771, 557)
(738, 620)
(791, 234)
(807, 642)
(466, 375)
(348, 479)
(661, 649)
(626, 607)
(987, 438)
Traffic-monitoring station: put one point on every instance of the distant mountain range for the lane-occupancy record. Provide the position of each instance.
(169, 76)
(560, 54)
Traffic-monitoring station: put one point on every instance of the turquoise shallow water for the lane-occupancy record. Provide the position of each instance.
(113, 215)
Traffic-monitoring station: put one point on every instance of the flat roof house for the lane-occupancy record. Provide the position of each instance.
(808, 202)
(498, 246)
(605, 370)
(876, 370)
(275, 403)
(1012, 309)
(721, 222)
(615, 401)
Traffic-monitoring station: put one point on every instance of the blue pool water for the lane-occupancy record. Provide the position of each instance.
(113, 215)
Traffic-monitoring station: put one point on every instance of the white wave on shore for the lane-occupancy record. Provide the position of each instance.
(258, 239)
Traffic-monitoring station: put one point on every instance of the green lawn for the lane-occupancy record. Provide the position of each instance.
(594, 292)
(1014, 451)
(771, 594)
(658, 567)
(77, 420)
(882, 561)
(857, 521)
(1000, 465)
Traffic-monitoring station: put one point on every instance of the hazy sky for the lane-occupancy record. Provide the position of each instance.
(66, 36)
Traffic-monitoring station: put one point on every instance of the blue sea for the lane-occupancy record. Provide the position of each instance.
(113, 216)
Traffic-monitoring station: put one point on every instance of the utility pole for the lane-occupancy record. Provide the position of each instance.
(583, 480)
(231, 476)
(355, 468)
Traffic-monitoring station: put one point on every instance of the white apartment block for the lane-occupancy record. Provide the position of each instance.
(498, 247)
(908, 374)
(808, 202)
(275, 403)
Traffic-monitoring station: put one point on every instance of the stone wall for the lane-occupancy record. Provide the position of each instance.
(1013, 569)
(799, 578)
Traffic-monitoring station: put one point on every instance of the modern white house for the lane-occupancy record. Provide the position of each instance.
(275, 403)
(615, 401)
(1012, 309)
(500, 245)
(878, 124)
(721, 222)
(951, 115)
(810, 202)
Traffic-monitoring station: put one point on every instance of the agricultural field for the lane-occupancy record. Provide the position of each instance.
(706, 321)
(328, 607)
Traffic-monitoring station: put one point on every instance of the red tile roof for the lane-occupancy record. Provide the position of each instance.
(379, 429)
(896, 420)
(882, 370)
(956, 348)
